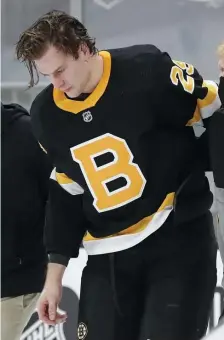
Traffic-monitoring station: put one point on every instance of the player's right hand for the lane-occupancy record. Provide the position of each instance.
(47, 305)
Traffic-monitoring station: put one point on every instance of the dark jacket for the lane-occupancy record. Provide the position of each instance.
(216, 146)
(25, 175)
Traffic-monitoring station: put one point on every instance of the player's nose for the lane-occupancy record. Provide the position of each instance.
(57, 82)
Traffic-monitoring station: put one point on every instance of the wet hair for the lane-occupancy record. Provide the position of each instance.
(55, 28)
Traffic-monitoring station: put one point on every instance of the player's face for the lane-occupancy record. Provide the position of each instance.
(66, 73)
(221, 66)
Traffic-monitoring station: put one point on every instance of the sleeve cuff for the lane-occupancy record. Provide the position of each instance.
(58, 258)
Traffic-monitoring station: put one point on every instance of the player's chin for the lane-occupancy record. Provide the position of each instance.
(68, 91)
(74, 92)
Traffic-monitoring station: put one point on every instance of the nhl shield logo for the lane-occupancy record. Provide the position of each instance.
(39, 330)
(87, 116)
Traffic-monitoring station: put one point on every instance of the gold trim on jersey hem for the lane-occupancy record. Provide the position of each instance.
(76, 106)
(138, 227)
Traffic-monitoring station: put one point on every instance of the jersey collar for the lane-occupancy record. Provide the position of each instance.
(76, 106)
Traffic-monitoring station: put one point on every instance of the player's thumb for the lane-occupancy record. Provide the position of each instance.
(52, 310)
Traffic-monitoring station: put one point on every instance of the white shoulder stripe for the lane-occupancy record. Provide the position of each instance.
(66, 183)
(212, 101)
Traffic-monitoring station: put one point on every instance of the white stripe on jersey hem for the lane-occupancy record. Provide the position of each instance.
(122, 242)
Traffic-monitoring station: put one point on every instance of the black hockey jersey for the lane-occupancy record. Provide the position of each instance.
(126, 156)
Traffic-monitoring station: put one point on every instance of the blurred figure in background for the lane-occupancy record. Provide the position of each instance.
(216, 144)
(25, 175)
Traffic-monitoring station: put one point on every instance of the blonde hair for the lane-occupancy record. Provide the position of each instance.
(220, 50)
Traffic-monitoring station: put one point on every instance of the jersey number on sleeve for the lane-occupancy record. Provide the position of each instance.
(98, 177)
(177, 75)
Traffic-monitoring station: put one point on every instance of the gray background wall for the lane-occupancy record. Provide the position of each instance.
(188, 29)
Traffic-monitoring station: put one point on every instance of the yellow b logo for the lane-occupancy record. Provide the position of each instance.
(97, 177)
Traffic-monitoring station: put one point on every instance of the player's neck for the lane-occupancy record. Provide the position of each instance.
(96, 73)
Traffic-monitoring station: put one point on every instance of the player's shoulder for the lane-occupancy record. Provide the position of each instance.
(42, 101)
(135, 53)
(40, 109)
(137, 63)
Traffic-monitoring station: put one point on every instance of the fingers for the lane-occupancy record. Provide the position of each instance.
(53, 315)
(42, 307)
(43, 311)
(60, 318)
(47, 312)
(52, 310)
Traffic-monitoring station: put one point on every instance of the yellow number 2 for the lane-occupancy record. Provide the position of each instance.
(177, 75)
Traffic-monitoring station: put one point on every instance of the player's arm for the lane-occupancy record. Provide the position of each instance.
(64, 228)
(65, 222)
(187, 98)
(65, 225)
(64, 231)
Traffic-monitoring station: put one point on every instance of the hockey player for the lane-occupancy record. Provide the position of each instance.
(128, 182)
